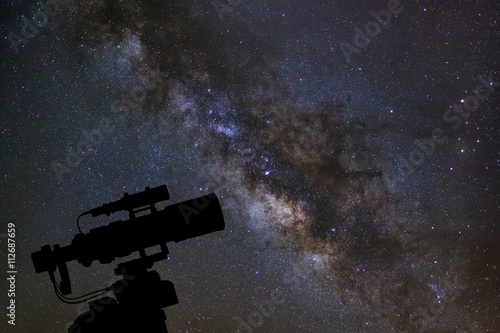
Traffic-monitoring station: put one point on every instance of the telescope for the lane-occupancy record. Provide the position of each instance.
(177, 222)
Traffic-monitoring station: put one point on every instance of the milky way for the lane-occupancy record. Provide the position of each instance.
(303, 149)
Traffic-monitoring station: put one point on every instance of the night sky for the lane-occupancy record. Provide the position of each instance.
(353, 146)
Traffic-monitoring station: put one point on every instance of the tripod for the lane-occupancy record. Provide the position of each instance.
(140, 298)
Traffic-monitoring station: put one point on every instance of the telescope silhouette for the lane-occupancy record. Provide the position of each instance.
(141, 295)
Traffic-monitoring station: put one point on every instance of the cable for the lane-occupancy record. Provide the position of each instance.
(101, 291)
(104, 290)
(76, 300)
(78, 218)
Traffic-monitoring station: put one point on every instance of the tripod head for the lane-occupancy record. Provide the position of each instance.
(139, 299)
